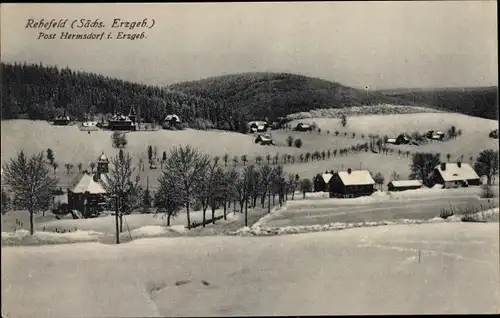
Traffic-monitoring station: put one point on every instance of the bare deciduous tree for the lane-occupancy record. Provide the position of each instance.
(187, 165)
(167, 198)
(121, 183)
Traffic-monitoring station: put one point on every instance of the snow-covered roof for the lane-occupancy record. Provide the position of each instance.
(356, 177)
(406, 183)
(87, 184)
(265, 138)
(391, 140)
(305, 124)
(172, 116)
(259, 123)
(453, 173)
(326, 177)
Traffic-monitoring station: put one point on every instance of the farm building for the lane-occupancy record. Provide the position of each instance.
(348, 184)
(62, 121)
(257, 126)
(264, 140)
(455, 175)
(303, 127)
(321, 181)
(403, 185)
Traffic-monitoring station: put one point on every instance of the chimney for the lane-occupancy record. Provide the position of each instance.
(349, 171)
(443, 166)
(459, 164)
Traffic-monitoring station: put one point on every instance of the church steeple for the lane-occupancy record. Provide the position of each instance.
(102, 164)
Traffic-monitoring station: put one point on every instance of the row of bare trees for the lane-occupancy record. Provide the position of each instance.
(190, 178)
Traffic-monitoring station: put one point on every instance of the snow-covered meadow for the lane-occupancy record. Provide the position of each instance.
(404, 269)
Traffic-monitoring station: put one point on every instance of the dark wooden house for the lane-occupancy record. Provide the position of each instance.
(321, 181)
(351, 183)
(455, 175)
(122, 122)
(403, 185)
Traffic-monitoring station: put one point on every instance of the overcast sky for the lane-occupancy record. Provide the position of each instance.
(379, 45)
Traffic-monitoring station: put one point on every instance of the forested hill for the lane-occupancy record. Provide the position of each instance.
(224, 102)
(41, 92)
(477, 101)
(278, 94)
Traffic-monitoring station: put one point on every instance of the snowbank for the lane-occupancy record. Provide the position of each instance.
(40, 237)
(149, 231)
(258, 230)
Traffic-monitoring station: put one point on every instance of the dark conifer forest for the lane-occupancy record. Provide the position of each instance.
(33, 91)
(43, 92)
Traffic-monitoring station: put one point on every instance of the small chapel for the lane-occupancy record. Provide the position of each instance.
(87, 194)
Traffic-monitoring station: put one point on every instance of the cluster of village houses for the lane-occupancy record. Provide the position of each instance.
(356, 183)
(86, 195)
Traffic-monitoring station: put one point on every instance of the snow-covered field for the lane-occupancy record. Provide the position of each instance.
(423, 204)
(403, 269)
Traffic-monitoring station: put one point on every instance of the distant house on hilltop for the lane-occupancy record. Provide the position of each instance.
(62, 121)
(402, 139)
(435, 135)
(303, 127)
(494, 134)
(122, 122)
(257, 126)
(264, 140)
(403, 185)
(351, 184)
(455, 175)
(172, 119)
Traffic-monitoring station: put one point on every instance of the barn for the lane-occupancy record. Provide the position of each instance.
(350, 184)
(455, 175)
(403, 185)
